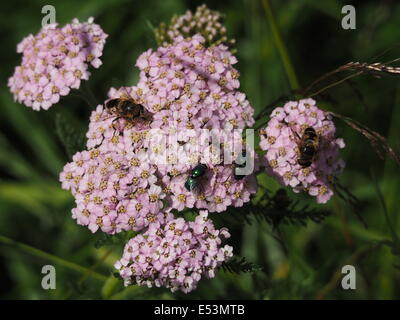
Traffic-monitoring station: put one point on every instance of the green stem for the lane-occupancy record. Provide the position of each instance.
(294, 83)
(47, 256)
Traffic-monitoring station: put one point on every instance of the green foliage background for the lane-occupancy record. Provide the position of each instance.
(305, 262)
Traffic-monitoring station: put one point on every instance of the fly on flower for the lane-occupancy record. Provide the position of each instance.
(308, 145)
(127, 108)
(307, 162)
(193, 182)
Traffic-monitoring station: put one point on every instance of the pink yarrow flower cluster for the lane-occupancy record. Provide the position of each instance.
(126, 146)
(174, 154)
(131, 178)
(55, 61)
(187, 85)
(122, 180)
(220, 187)
(281, 140)
(187, 88)
(112, 193)
(175, 255)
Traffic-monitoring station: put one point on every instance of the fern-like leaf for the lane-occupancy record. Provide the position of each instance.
(277, 210)
(239, 265)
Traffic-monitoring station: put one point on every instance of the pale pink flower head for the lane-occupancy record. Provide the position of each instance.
(282, 139)
(175, 254)
(174, 153)
(188, 90)
(203, 174)
(55, 61)
(188, 86)
(113, 193)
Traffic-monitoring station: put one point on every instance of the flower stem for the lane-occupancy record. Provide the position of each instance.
(294, 83)
(47, 256)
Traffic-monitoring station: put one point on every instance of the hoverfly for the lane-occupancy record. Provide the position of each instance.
(127, 108)
(308, 145)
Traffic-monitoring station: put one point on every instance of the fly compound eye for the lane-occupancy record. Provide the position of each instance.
(112, 103)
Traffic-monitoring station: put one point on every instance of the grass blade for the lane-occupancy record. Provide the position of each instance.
(287, 63)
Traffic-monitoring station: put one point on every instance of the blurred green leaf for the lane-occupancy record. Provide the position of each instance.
(73, 138)
(109, 287)
(39, 140)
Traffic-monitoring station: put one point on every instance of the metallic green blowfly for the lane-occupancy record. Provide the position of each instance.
(192, 181)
